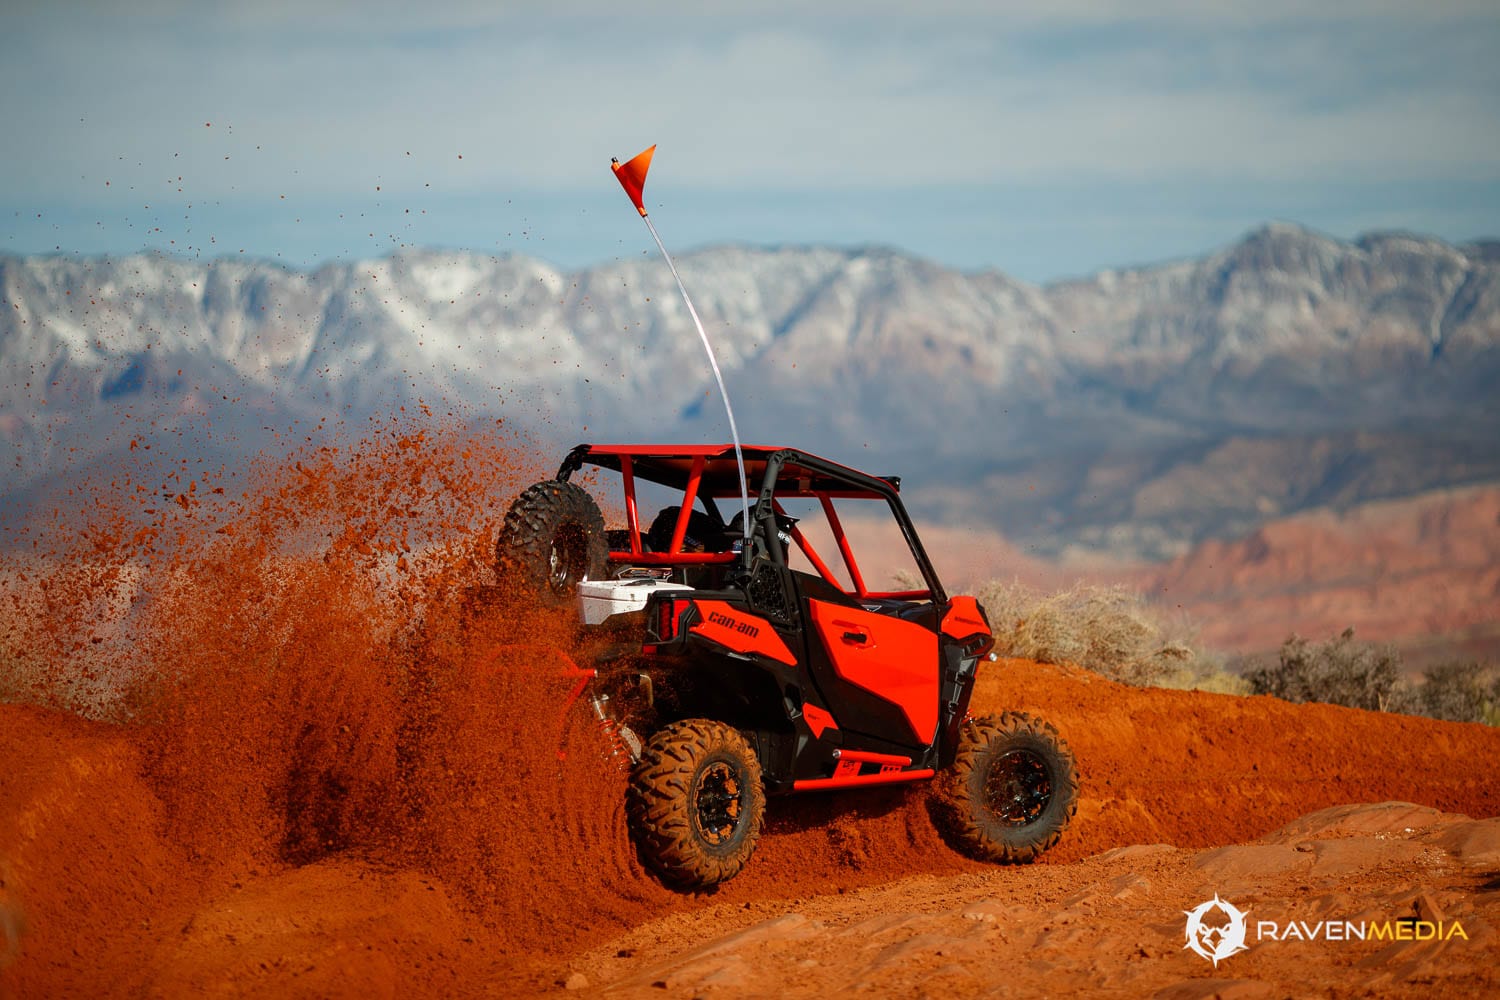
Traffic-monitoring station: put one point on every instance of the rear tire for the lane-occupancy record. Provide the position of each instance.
(695, 803)
(552, 540)
(1011, 790)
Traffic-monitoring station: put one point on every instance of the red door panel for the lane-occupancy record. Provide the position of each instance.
(894, 660)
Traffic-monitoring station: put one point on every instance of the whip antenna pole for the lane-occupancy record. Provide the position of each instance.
(632, 177)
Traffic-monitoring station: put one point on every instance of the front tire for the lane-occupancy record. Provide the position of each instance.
(552, 540)
(695, 803)
(1011, 790)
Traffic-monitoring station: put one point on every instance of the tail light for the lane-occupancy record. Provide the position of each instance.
(669, 612)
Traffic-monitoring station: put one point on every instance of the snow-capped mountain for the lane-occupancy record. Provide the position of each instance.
(1138, 409)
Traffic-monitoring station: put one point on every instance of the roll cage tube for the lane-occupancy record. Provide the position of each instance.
(687, 467)
(868, 486)
(674, 556)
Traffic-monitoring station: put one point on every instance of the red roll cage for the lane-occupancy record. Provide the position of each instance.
(711, 472)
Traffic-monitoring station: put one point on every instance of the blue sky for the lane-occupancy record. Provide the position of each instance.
(1042, 139)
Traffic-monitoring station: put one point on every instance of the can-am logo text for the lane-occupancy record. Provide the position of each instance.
(745, 628)
(1216, 936)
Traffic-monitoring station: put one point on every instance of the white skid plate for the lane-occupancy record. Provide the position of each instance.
(598, 599)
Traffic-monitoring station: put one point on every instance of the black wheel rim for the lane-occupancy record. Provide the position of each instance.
(565, 559)
(1018, 788)
(718, 802)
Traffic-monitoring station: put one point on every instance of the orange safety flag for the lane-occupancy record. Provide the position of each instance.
(632, 176)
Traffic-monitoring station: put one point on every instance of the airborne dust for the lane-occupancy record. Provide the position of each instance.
(301, 664)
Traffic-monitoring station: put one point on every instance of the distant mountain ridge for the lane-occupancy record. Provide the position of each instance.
(1421, 572)
(1136, 410)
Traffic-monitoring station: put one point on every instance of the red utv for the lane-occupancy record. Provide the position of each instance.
(761, 662)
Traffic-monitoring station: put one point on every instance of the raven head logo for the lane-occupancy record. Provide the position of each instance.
(1219, 938)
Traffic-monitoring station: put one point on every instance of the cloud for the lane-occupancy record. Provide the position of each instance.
(325, 103)
(472, 13)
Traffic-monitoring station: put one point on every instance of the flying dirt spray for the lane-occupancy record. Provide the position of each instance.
(632, 177)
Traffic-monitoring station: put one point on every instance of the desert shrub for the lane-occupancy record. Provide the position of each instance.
(1455, 692)
(1205, 673)
(1340, 671)
(1110, 630)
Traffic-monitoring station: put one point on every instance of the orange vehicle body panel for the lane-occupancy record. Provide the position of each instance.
(894, 660)
(744, 633)
(963, 619)
(819, 720)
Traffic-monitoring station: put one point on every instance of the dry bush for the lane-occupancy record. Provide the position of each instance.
(1455, 692)
(1206, 673)
(1110, 630)
(1340, 671)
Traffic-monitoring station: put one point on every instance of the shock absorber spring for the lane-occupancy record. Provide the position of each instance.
(624, 745)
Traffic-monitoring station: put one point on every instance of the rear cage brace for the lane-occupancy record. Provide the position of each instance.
(840, 482)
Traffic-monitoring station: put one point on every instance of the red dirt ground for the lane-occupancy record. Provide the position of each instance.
(114, 904)
(315, 772)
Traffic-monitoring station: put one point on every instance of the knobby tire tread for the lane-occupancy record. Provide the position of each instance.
(523, 549)
(658, 803)
(983, 836)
